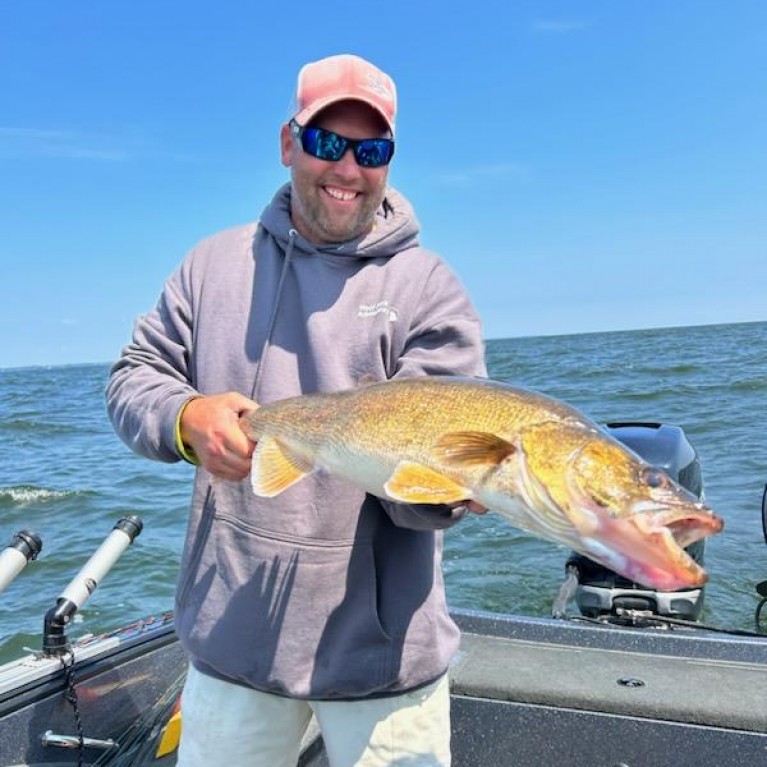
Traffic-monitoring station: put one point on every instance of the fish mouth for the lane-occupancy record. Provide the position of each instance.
(644, 541)
(648, 546)
(686, 526)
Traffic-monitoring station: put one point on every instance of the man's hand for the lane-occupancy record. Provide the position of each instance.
(210, 426)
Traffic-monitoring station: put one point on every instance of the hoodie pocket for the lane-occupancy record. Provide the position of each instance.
(287, 616)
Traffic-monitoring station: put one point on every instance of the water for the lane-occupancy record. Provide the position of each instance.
(64, 474)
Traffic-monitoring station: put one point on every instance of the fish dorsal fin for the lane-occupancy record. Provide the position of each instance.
(415, 483)
(274, 469)
(468, 448)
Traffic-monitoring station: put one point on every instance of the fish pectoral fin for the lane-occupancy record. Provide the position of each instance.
(415, 483)
(274, 469)
(469, 448)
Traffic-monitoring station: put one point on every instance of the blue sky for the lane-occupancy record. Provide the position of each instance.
(583, 166)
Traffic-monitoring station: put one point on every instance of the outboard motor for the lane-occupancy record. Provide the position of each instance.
(601, 592)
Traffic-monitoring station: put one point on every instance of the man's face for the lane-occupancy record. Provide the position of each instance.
(335, 201)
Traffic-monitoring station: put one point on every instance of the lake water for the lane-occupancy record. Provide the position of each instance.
(65, 475)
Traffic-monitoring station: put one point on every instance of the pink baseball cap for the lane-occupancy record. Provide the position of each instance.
(340, 78)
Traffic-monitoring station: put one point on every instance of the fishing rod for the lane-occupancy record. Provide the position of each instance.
(23, 548)
(74, 596)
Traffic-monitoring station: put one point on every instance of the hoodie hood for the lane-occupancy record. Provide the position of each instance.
(395, 229)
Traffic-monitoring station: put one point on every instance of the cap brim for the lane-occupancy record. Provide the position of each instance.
(305, 116)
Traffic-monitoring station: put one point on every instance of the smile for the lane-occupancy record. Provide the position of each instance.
(340, 194)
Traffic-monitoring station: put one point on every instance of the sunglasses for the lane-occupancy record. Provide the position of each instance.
(326, 145)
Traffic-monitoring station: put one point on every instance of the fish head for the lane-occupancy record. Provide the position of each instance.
(626, 514)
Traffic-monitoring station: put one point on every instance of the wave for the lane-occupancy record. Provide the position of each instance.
(25, 495)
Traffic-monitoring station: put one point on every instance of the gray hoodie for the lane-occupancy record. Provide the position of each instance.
(323, 592)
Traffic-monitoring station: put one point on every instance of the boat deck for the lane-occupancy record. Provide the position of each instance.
(526, 692)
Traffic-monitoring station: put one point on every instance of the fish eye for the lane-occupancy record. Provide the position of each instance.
(655, 478)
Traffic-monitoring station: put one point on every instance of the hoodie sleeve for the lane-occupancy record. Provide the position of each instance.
(445, 339)
(151, 380)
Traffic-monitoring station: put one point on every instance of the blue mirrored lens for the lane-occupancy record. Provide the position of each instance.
(324, 144)
(329, 146)
(373, 153)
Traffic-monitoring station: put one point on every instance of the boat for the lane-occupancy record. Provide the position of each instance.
(633, 679)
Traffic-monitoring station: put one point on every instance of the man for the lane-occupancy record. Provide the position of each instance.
(322, 600)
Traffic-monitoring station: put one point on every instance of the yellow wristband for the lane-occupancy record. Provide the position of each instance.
(184, 450)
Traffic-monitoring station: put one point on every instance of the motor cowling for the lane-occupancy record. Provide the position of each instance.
(601, 591)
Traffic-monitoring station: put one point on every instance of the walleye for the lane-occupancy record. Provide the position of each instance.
(534, 460)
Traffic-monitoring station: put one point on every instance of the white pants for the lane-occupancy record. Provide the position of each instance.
(226, 725)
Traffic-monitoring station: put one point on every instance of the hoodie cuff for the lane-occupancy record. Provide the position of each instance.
(184, 450)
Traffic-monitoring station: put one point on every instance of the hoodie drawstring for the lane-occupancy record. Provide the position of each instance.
(273, 319)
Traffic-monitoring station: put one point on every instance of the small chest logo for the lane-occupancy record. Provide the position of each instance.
(382, 307)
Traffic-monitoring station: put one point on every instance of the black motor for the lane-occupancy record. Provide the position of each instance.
(601, 591)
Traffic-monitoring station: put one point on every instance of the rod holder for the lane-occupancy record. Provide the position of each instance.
(74, 596)
(23, 548)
